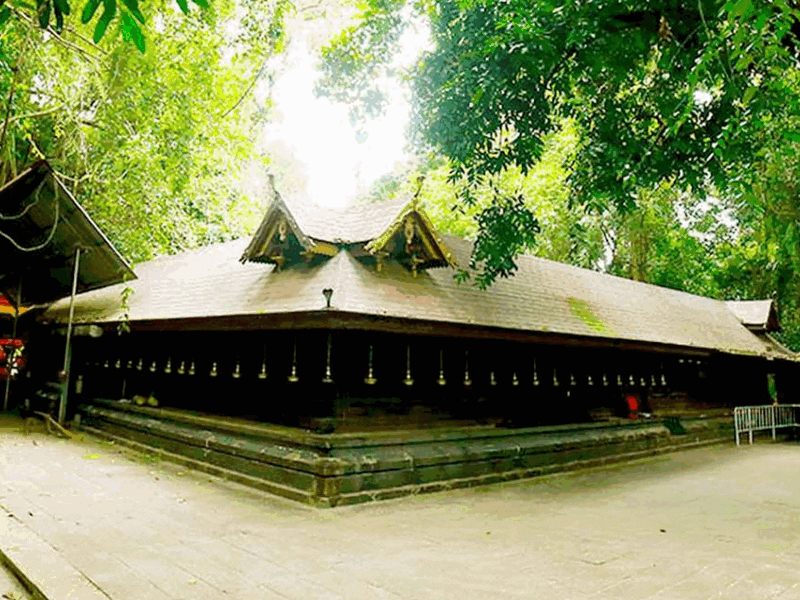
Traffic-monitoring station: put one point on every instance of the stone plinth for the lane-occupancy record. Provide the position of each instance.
(327, 470)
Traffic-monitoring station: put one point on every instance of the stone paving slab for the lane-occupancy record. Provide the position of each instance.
(714, 523)
(42, 568)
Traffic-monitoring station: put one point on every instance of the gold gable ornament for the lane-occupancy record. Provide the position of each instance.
(280, 241)
(282, 229)
(412, 241)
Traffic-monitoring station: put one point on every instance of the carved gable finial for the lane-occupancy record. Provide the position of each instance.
(411, 240)
(282, 229)
(409, 229)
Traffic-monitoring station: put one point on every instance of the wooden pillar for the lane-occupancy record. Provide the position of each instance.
(65, 379)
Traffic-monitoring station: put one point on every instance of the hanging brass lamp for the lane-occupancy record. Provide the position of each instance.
(370, 378)
(328, 378)
(467, 380)
(293, 378)
(262, 374)
(408, 381)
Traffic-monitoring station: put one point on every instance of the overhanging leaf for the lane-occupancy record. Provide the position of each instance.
(5, 14)
(201, 3)
(110, 9)
(88, 10)
(62, 6)
(133, 7)
(184, 6)
(44, 14)
(132, 32)
(59, 18)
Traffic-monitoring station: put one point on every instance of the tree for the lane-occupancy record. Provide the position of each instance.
(659, 91)
(573, 235)
(154, 145)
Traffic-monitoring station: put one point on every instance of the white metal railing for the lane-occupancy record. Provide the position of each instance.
(758, 418)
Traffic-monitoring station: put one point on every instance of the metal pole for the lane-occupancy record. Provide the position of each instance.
(772, 410)
(62, 407)
(13, 337)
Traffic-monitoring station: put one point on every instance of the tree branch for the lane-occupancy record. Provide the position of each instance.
(55, 36)
(41, 113)
(247, 91)
(8, 112)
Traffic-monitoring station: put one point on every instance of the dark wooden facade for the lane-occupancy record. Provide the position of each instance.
(385, 379)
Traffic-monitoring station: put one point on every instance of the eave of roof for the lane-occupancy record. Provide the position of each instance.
(544, 298)
(776, 350)
(47, 273)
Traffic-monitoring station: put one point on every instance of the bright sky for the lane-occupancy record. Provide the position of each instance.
(319, 136)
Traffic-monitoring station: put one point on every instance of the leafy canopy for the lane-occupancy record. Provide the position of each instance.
(156, 146)
(659, 91)
(50, 14)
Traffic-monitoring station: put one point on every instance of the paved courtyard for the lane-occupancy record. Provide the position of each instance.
(102, 522)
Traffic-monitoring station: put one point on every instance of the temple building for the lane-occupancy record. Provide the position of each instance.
(333, 358)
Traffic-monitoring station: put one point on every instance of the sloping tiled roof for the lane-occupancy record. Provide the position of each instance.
(358, 223)
(758, 315)
(544, 296)
(776, 350)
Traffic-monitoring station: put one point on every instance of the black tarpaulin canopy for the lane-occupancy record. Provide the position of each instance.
(41, 226)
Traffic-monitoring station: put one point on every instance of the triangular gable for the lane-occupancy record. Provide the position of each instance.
(279, 239)
(756, 315)
(411, 240)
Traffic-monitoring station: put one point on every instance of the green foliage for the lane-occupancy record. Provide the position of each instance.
(505, 228)
(154, 145)
(355, 58)
(50, 16)
(661, 93)
(571, 233)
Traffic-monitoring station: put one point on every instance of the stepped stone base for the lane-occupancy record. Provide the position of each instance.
(328, 470)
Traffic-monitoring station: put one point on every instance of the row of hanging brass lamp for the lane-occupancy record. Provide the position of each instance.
(370, 378)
